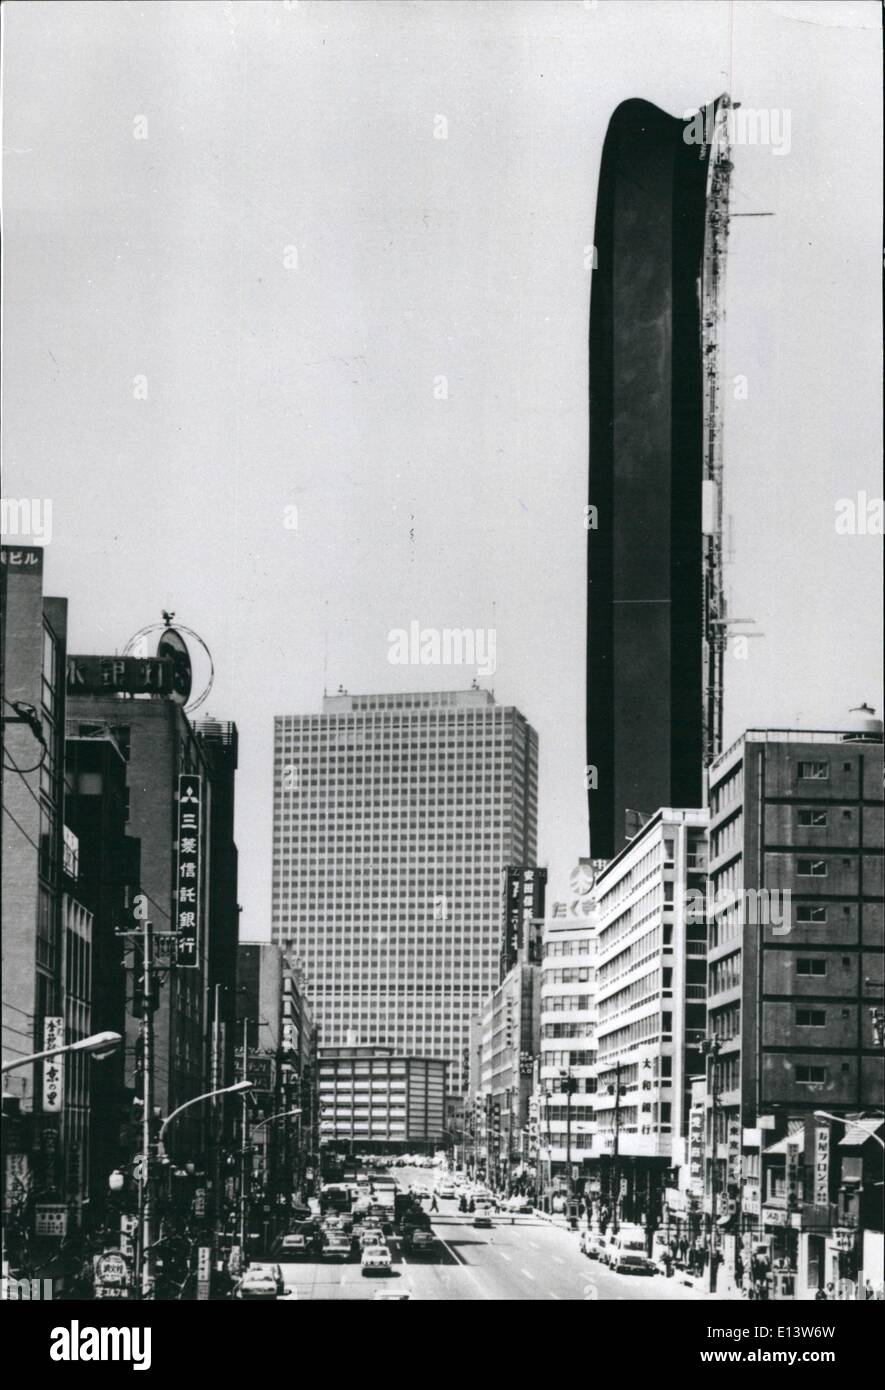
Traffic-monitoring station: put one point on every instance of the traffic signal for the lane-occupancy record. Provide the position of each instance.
(139, 1001)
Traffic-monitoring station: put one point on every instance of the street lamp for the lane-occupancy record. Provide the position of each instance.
(710, 1047)
(101, 1045)
(283, 1115)
(843, 1120)
(569, 1085)
(221, 1091)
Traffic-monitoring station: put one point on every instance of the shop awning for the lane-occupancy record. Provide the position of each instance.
(795, 1129)
(858, 1132)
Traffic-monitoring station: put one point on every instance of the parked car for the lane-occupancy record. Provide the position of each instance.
(591, 1244)
(630, 1262)
(260, 1282)
(375, 1259)
(606, 1246)
(519, 1205)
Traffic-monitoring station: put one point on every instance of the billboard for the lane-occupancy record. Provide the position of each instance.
(53, 1067)
(524, 892)
(120, 675)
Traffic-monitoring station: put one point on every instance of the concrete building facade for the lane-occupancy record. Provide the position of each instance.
(393, 818)
(376, 1100)
(795, 961)
(566, 1127)
(651, 1010)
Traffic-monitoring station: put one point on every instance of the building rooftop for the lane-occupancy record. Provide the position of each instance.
(344, 703)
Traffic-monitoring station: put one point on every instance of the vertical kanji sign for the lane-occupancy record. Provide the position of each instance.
(53, 1067)
(187, 907)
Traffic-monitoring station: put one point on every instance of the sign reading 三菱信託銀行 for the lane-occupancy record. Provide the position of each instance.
(187, 876)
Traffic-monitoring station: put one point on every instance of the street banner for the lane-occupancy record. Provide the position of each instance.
(187, 893)
(793, 1154)
(204, 1272)
(822, 1165)
(53, 1067)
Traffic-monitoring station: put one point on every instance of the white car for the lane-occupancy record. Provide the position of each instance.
(591, 1243)
(375, 1258)
(260, 1283)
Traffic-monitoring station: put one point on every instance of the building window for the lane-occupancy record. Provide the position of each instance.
(814, 772)
(812, 868)
(808, 817)
(811, 1018)
(811, 967)
(811, 1076)
(810, 912)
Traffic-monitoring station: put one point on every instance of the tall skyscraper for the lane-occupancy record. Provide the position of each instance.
(656, 624)
(394, 816)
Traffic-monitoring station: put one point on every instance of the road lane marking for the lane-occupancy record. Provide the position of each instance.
(528, 1274)
(553, 1295)
(559, 1260)
(503, 1254)
(464, 1265)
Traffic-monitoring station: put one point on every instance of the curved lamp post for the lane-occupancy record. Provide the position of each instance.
(283, 1115)
(235, 1089)
(99, 1044)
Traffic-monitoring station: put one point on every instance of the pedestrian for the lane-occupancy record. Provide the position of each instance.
(821, 1295)
(869, 1292)
(434, 1204)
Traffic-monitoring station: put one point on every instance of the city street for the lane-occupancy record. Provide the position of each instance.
(529, 1259)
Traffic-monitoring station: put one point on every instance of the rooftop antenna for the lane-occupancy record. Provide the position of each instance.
(325, 646)
(495, 630)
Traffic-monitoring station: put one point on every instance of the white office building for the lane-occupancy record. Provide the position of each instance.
(394, 816)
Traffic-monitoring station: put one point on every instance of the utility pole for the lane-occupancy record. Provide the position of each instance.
(217, 1118)
(710, 1047)
(147, 1079)
(244, 1144)
(569, 1085)
(568, 1143)
(616, 1175)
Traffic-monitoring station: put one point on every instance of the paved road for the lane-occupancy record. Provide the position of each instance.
(528, 1259)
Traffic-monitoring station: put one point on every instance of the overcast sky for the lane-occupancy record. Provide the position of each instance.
(245, 213)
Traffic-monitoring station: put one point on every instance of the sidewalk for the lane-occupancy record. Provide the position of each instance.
(694, 1282)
